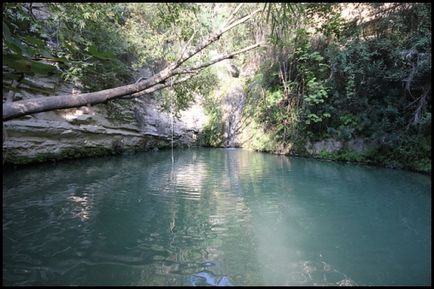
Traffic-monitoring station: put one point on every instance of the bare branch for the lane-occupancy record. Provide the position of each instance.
(186, 45)
(421, 106)
(218, 59)
(159, 87)
(193, 71)
(231, 17)
(214, 37)
(239, 21)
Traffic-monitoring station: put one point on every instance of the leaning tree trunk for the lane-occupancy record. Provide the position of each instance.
(158, 81)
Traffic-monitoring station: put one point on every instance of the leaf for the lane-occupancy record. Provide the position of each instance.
(12, 46)
(99, 54)
(42, 68)
(81, 24)
(56, 59)
(47, 54)
(34, 41)
(22, 64)
(6, 32)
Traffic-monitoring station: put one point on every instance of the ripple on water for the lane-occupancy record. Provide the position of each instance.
(214, 217)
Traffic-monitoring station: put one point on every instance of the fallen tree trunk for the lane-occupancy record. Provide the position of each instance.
(158, 81)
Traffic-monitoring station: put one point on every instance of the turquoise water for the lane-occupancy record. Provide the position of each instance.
(215, 217)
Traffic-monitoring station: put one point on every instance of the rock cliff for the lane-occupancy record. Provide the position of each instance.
(117, 127)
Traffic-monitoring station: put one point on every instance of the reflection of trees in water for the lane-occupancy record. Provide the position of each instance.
(250, 217)
(206, 213)
(318, 273)
(191, 210)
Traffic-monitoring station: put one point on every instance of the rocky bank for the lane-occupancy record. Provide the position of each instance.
(102, 129)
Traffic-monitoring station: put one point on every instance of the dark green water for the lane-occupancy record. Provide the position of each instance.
(215, 217)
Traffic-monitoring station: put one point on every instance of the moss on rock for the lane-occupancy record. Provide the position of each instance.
(71, 153)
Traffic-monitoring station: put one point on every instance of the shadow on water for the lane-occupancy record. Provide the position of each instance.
(214, 217)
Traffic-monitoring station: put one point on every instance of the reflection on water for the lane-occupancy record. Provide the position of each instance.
(215, 217)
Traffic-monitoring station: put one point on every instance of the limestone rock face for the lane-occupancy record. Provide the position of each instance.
(132, 125)
(328, 145)
(90, 128)
(233, 105)
(32, 137)
(151, 120)
(358, 145)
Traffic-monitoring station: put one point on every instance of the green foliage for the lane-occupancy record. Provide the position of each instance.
(263, 141)
(83, 33)
(158, 31)
(101, 45)
(71, 39)
(24, 51)
(181, 96)
(370, 80)
(212, 134)
(320, 76)
(316, 92)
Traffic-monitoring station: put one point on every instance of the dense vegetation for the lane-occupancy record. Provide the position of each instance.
(342, 80)
(322, 76)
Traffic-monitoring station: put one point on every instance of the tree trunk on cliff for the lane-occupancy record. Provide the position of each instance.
(158, 81)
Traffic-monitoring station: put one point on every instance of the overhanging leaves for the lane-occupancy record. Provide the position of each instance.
(100, 54)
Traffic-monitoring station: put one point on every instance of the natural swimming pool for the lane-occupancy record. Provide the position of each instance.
(215, 216)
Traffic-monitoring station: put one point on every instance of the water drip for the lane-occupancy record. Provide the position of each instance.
(172, 176)
(171, 114)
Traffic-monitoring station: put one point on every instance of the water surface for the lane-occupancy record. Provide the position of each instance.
(215, 217)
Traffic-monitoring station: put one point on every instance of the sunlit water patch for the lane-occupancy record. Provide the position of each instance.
(215, 217)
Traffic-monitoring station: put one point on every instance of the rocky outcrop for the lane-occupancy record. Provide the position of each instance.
(33, 140)
(152, 121)
(358, 145)
(328, 145)
(117, 126)
(230, 101)
(233, 105)
(92, 130)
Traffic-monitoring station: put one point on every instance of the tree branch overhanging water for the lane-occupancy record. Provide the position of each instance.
(25, 107)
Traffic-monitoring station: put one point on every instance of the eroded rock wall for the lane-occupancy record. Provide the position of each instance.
(92, 130)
